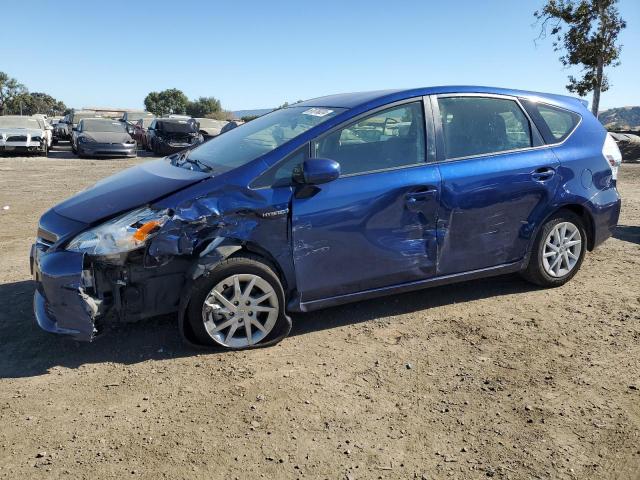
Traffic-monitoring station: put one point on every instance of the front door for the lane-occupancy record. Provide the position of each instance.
(496, 185)
(375, 226)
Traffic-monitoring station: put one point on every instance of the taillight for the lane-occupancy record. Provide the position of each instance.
(612, 155)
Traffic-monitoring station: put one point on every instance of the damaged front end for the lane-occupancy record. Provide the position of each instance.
(100, 276)
(143, 263)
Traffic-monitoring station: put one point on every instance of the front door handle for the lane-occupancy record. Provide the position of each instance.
(543, 174)
(413, 199)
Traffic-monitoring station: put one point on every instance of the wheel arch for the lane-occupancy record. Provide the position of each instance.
(577, 209)
(216, 251)
(584, 214)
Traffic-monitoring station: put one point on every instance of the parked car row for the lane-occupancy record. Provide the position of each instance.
(98, 133)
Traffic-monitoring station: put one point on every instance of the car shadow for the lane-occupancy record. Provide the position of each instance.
(627, 233)
(27, 351)
(400, 304)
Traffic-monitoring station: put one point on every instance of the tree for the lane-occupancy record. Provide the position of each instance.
(9, 89)
(589, 40)
(36, 102)
(166, 102)
(204, 107)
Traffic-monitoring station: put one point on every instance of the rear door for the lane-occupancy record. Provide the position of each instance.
(497, 180)
(375, 225)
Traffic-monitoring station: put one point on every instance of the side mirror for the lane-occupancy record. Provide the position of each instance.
(320, 170)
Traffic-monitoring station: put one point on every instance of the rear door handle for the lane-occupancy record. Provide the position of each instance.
(543, 174)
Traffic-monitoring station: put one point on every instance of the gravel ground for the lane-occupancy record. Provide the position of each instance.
(491, 378)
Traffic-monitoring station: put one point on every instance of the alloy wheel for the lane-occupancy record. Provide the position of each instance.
(240, 311)
(561, 250)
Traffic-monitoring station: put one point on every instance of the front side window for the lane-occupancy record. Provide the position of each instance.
(388, 139)
(478, 126)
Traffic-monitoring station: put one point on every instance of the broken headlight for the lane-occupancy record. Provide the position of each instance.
(121, 234)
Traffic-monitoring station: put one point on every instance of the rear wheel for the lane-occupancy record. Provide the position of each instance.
(240, 304)
(558, 251)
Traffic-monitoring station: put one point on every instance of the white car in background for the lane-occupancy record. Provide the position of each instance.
(23, 135)
(44, 122)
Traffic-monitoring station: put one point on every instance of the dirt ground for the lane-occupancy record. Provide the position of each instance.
(491, 378)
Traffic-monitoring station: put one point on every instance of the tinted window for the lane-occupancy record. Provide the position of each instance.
(388, 139)
(93, 125)
(554, 123)
(180, 126)
(477, 126)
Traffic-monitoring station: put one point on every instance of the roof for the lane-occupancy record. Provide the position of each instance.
(380, 97)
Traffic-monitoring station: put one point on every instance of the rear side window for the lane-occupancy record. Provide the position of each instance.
(474, 126)
(555, 124)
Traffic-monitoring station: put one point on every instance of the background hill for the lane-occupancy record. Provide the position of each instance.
(621, 119)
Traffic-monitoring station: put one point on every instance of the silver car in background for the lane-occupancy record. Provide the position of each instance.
(23, 135)
(102, 137)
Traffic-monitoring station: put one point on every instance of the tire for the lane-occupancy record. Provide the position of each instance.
(539, 272)
(223, 324)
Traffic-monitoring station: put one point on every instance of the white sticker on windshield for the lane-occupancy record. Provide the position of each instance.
(317, 112)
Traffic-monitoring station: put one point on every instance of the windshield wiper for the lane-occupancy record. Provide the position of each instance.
(184, 158)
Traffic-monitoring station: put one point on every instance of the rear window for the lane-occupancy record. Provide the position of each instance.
(555, 123)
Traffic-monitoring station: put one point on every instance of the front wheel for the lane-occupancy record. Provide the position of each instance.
(558, 251)
(240, 304)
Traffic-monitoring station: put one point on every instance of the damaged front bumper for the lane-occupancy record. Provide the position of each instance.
(61, 302)
(80, 295)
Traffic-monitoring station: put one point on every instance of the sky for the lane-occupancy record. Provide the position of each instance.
(259, 54)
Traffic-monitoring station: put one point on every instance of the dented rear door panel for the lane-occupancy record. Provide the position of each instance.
(490, 208)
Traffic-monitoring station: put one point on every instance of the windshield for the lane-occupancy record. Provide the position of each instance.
(19, 122)
(76, 117)
(92, 125)
(177, 126)
(262, 135)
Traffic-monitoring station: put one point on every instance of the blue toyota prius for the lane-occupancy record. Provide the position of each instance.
(333, 200)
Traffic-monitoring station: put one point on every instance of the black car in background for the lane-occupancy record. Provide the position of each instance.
(170, 135)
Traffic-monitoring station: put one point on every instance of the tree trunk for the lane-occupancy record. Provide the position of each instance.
(595, 104)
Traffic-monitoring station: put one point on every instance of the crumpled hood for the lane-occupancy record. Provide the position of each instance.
(128, 189)
(106, 137)
(22, 131)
